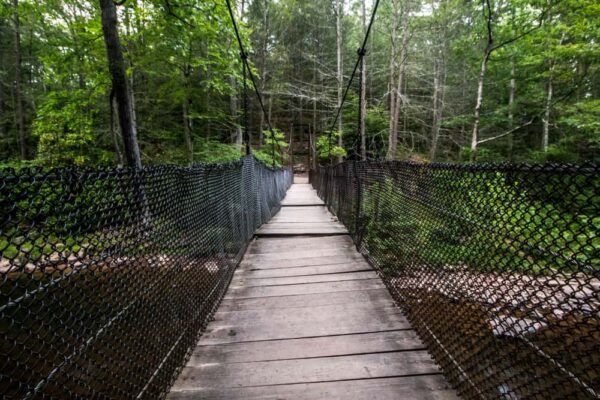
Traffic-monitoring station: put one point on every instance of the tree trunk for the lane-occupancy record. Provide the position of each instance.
(116, 65)
(547, 111)
(479, 102)
(233, 107)
(435, 124)
(114, 127)
(313, 132)
(398, 100)
(393, 135)
(363, 91)
(511, 106)
(18, 85)
(340, 76)
(187, 129)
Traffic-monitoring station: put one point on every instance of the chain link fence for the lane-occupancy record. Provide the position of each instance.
(496, 266)
(109, 275)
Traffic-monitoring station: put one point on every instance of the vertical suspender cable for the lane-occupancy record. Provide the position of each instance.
(247, 69)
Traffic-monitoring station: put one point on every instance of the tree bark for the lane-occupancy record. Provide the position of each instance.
(511, 106)
(116, 65)
(363, 91)
(340, 76)
(393, 138)
(187, 128)
(479, 102)
(113, 128)
(19, 85)
(547, 111)
(392, 135)
(238, 135)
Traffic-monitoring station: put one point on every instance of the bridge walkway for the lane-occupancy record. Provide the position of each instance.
(306, 317)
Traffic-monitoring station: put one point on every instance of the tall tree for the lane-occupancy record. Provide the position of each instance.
(116, 66)
(340, 65)
(20, 112)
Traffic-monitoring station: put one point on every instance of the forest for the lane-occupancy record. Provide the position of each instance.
(442, 80)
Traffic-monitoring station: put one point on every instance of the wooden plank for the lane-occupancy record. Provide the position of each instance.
(293, 280)
(364, 366)
(301, 271)
(302, 229)
(310, 288)
(326, 346)
(252, 326)
(430, 387)
(267, 263)
(269, 245)
(338, 250)
(374, 296)
(266, 245)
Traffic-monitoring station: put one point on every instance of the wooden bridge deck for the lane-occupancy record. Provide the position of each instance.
(306, 318)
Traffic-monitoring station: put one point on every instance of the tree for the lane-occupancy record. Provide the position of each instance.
(116, 66)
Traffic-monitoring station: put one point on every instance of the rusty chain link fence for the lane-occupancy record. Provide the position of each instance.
(496, 266)
(108, 275)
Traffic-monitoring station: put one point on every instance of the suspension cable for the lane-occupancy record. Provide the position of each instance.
(361, 53)
(244, 57)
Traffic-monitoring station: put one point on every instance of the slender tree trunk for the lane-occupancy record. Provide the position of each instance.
(114, 128)
(393, 139)
(263, 80)
(187, 128)
(547, 111)
(479, 102)
(18, 85)
(233, 107)
(363, 91)
(313, 136)
(393, 135)
(435, 125)
(340, 76)
(3, 129)
(116, 65)
(511, 106)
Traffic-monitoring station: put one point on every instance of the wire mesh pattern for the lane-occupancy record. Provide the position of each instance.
(108, 275)
(496, 266)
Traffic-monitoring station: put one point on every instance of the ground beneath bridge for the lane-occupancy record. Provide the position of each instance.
(306, 318)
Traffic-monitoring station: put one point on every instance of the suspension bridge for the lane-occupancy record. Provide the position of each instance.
(369, 280)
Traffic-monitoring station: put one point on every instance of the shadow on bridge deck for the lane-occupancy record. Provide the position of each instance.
(306, 317)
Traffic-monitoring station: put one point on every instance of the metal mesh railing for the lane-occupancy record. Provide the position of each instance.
(108, 275)
(496, 266)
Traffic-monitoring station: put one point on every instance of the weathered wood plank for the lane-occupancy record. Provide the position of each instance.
(268, 263)
(364, 366)
(266, 245)
(253, 272)
(302, 322)
(293, 280)
(241, 292)
(327, 346)
(374, 296)
(430, 387)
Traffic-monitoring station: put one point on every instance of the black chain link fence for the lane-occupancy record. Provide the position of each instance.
(496, 266)
(109, 275)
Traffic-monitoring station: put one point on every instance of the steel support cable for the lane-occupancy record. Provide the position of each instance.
(361, 53)
(244, 57)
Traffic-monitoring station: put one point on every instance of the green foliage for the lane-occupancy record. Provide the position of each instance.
(65, 130)
(327, 147)
(265, 153)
